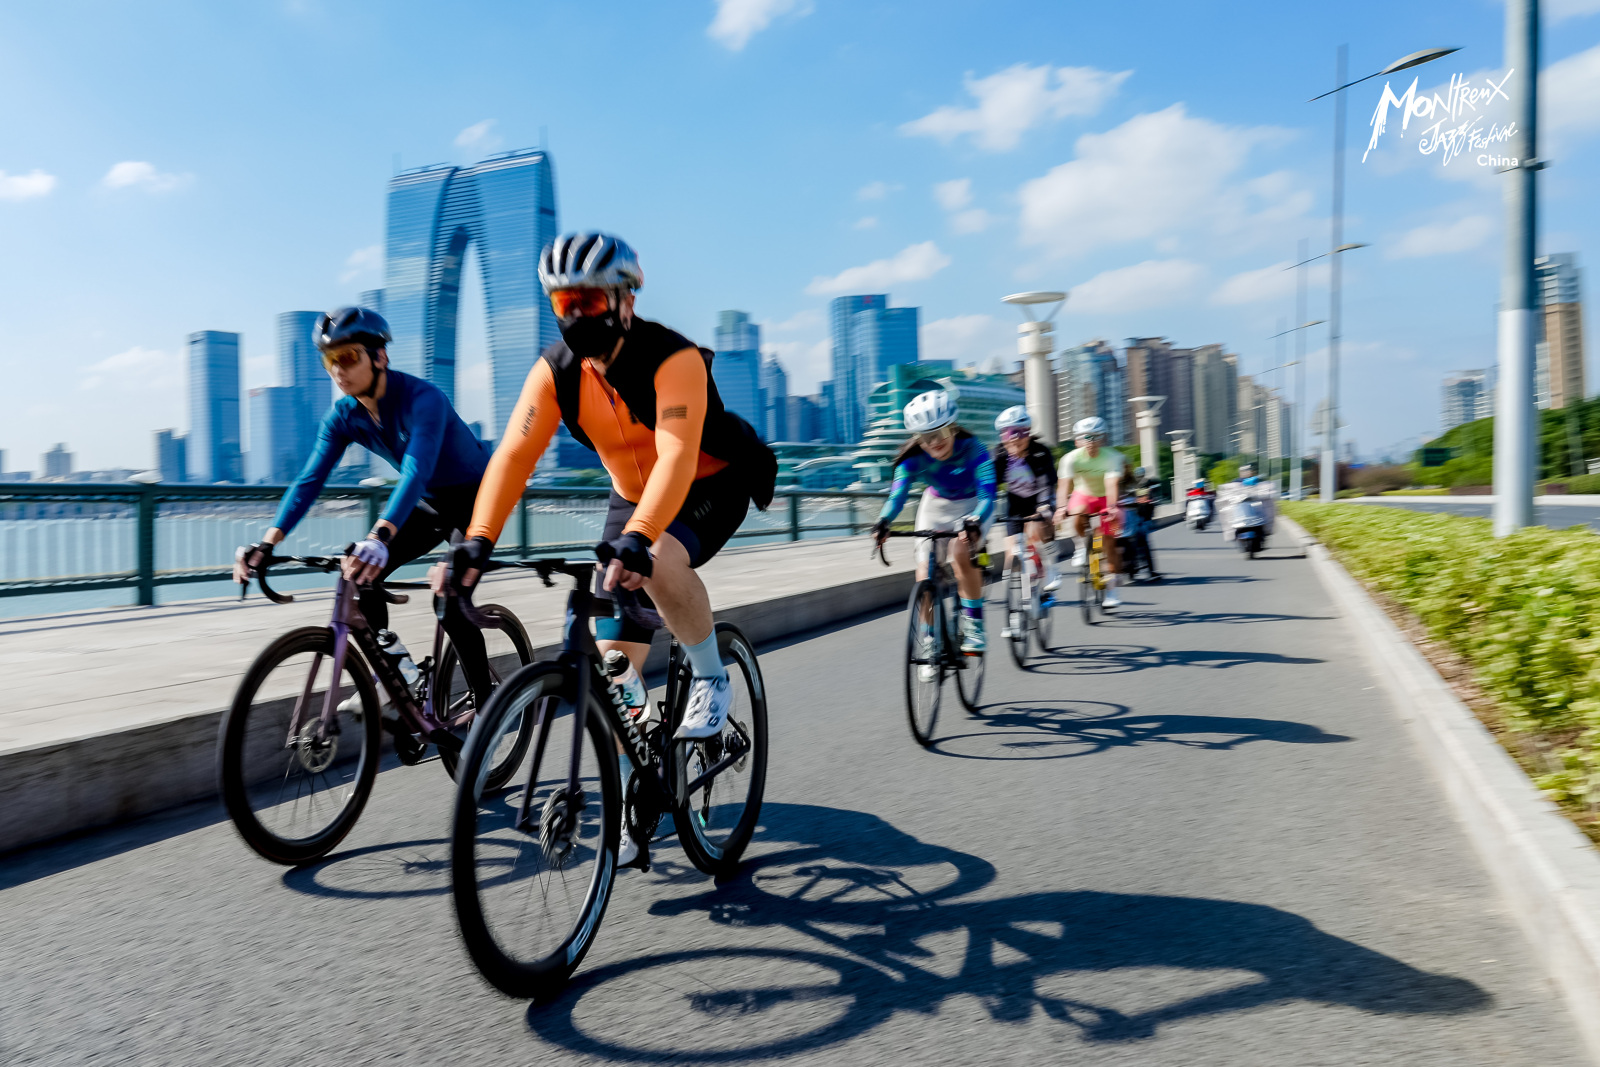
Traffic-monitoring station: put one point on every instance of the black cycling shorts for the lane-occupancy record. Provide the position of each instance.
(714, 509)
(1021, 508)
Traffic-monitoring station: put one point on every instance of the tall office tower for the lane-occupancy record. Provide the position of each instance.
(1216, 399)
(1559, 354)
(372, 299)
(57, 463)
(1466, 398)
(1089, 383)
(804, 421)
(775, 398)
(868, 337)
(737, 368)
(506, 208)
(214, 442)
(300, 369)
(1248, 430)
(277, 422)
(828, 411)
(172, 459)
(1155, 368)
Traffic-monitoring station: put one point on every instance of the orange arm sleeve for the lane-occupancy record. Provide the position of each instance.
(680, 418)
(524, 439)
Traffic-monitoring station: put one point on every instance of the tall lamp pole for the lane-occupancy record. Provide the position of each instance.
(1515, 424)
(1294, 447)
(1034, 344)
(1330, 452)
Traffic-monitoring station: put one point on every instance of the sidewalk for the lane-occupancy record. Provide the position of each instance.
(112, 713)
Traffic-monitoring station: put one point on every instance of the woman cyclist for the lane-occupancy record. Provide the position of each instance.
(1030, 477)
(959, 474)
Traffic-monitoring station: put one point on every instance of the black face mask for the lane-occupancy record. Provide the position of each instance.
(593, 336)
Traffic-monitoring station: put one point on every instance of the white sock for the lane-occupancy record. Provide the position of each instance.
(626, 765)
(704, 659)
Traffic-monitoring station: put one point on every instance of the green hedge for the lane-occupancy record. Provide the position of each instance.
(1523, 611)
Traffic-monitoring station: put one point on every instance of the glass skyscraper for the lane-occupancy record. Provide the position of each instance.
(869, 337)
(506, 207)
(737, 368)
(276, 420)
(213, 450)
(775, 399)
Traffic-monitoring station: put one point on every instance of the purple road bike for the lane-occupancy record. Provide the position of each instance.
(299, 749)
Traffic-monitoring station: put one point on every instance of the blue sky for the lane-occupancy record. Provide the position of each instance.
(169, 167)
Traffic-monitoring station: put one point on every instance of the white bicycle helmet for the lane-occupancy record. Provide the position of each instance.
(929, 411)
(1015, 417)
(589, 260)
(1093, 426)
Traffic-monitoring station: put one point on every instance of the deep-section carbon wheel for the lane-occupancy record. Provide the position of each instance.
(716, 824)
(1017, 615)
(925, 640)
(294, 779)
(531, 867)
(453, 702)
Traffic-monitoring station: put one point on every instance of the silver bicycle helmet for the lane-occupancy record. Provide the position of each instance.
(1015, 417)
(1093, 426)
(929, 411)
(589, 260)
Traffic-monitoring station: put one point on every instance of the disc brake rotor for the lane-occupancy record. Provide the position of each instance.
(315, 748)
(558, 827)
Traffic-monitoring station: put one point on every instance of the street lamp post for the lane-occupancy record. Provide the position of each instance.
(1295, 448)
(1330, 453)
(1034, 344)
(1147, 416)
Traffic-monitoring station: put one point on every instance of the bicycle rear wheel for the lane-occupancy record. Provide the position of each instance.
(454, 704)
(531, 868)
(1042, 603)
(969, 675)
(1017, 610)
(293, 783)
(1086, 594)
(716, 823)
(925, 642)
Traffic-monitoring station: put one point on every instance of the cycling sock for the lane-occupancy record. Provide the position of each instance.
(626, 766)
(704, 659)
(972, 608)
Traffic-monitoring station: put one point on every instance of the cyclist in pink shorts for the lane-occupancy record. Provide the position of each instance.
(1090, 477)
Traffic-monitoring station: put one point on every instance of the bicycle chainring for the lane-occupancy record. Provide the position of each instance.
(643, 813)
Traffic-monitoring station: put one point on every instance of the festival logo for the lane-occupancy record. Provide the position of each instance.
(1462, 123)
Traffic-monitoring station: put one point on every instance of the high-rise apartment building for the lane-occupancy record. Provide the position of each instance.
(505, 207)
(57, 463)
(775, 399)
(1559, 355)
(1155, 368)
(1216, 399)
(1466, 397)
(172, 457)
(1263, 421)
(1088, 383)
(214, 440)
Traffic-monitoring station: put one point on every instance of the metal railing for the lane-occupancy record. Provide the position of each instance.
(60, 537)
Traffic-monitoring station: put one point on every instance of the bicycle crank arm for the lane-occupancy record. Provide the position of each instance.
(736, 751)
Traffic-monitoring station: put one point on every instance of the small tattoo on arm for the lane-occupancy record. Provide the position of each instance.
(527, 420)
(677, 411)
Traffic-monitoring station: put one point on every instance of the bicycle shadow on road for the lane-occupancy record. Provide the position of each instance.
(867, 922)
(1139, 617)
(1070, 660)
(1063, 729)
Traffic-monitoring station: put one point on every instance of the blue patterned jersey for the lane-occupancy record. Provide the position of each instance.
(969, 472)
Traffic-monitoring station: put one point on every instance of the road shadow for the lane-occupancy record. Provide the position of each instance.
(1062, 729)
(870, 922)
(1206, 579)
(1132, 614)
(1124, 659)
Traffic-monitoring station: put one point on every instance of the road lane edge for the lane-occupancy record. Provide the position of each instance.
(1544, 867)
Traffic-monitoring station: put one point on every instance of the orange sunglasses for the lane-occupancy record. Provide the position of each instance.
(570, 303)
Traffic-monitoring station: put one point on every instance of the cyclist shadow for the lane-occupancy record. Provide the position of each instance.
(1124, 659)
(873, 922)
(1124, 619)
(1065, 729)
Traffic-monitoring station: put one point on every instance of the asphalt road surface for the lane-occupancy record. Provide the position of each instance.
(1196, 836)
(1555, 516)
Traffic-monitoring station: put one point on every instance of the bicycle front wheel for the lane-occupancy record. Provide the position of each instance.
(719, 817)
(531, 868)
(454, 704)
(1017, 616)
(1042, 603)
(925, 640)
(295, 772)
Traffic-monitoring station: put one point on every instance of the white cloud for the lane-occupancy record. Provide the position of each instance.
(1153, 283)
(26, 186)
(804, 319)
(911, 264)
(1015, 100)
(1157, 175)
(1569, 92)
(362, 261)
(975, 221)
(1442, 238)
(133, 173)
(141, 368)
(876, 190)
(867, 222)
(1264, 283)
(479, 136)
(737, 21)
(953, 195)
(1557, 10)
(968, 339)
(807, 363)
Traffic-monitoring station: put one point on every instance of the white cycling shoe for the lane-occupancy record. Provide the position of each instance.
(1052, 579)
(1111, 601)
(1080, 557)
(627, 848)
(710, 700)
(927, 671)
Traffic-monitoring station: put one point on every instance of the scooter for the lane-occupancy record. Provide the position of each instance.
(1249, 526)
(1197, 511)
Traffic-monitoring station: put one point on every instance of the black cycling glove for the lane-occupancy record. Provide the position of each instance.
(473, 554)
(633, 549)
(256, 557)
(880, 530)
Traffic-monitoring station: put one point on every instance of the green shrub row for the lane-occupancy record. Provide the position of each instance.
(1522, 611)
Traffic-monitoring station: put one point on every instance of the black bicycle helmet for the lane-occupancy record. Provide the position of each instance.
(352, 326)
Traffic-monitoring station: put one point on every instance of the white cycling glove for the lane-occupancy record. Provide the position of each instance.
(371, 551)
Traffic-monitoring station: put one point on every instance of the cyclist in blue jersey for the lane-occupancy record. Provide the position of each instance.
(410, 423)
(959, 474)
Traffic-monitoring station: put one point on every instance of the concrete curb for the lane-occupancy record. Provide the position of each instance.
(1546, 869)
(53, 790)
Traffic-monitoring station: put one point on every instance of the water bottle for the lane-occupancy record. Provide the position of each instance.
(396, 650)
(625, 680)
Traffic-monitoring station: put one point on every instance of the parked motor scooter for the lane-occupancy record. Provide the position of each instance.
(1197, 511)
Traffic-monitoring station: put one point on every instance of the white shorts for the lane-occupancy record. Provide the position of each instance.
(937, 513)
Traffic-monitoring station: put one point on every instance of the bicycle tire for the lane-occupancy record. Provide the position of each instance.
(1042, 603)
(543, 972)
(695, 819)
(922, 693)
(1017, 621)
(970, 675)
(248, 744)
(444, 683)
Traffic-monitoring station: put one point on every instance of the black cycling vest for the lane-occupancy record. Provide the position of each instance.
(633, 375)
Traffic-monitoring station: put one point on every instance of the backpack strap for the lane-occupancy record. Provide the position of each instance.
(568, 374)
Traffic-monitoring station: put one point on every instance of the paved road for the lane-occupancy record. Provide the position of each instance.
(1197, 837)
(1555, 516)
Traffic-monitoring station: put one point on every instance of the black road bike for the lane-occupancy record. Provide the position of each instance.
(933, 641)
(533, 854)
(1027, 603)
(298, 750)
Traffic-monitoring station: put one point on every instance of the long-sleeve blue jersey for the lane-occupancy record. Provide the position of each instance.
(969, 472)
(418, 432)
